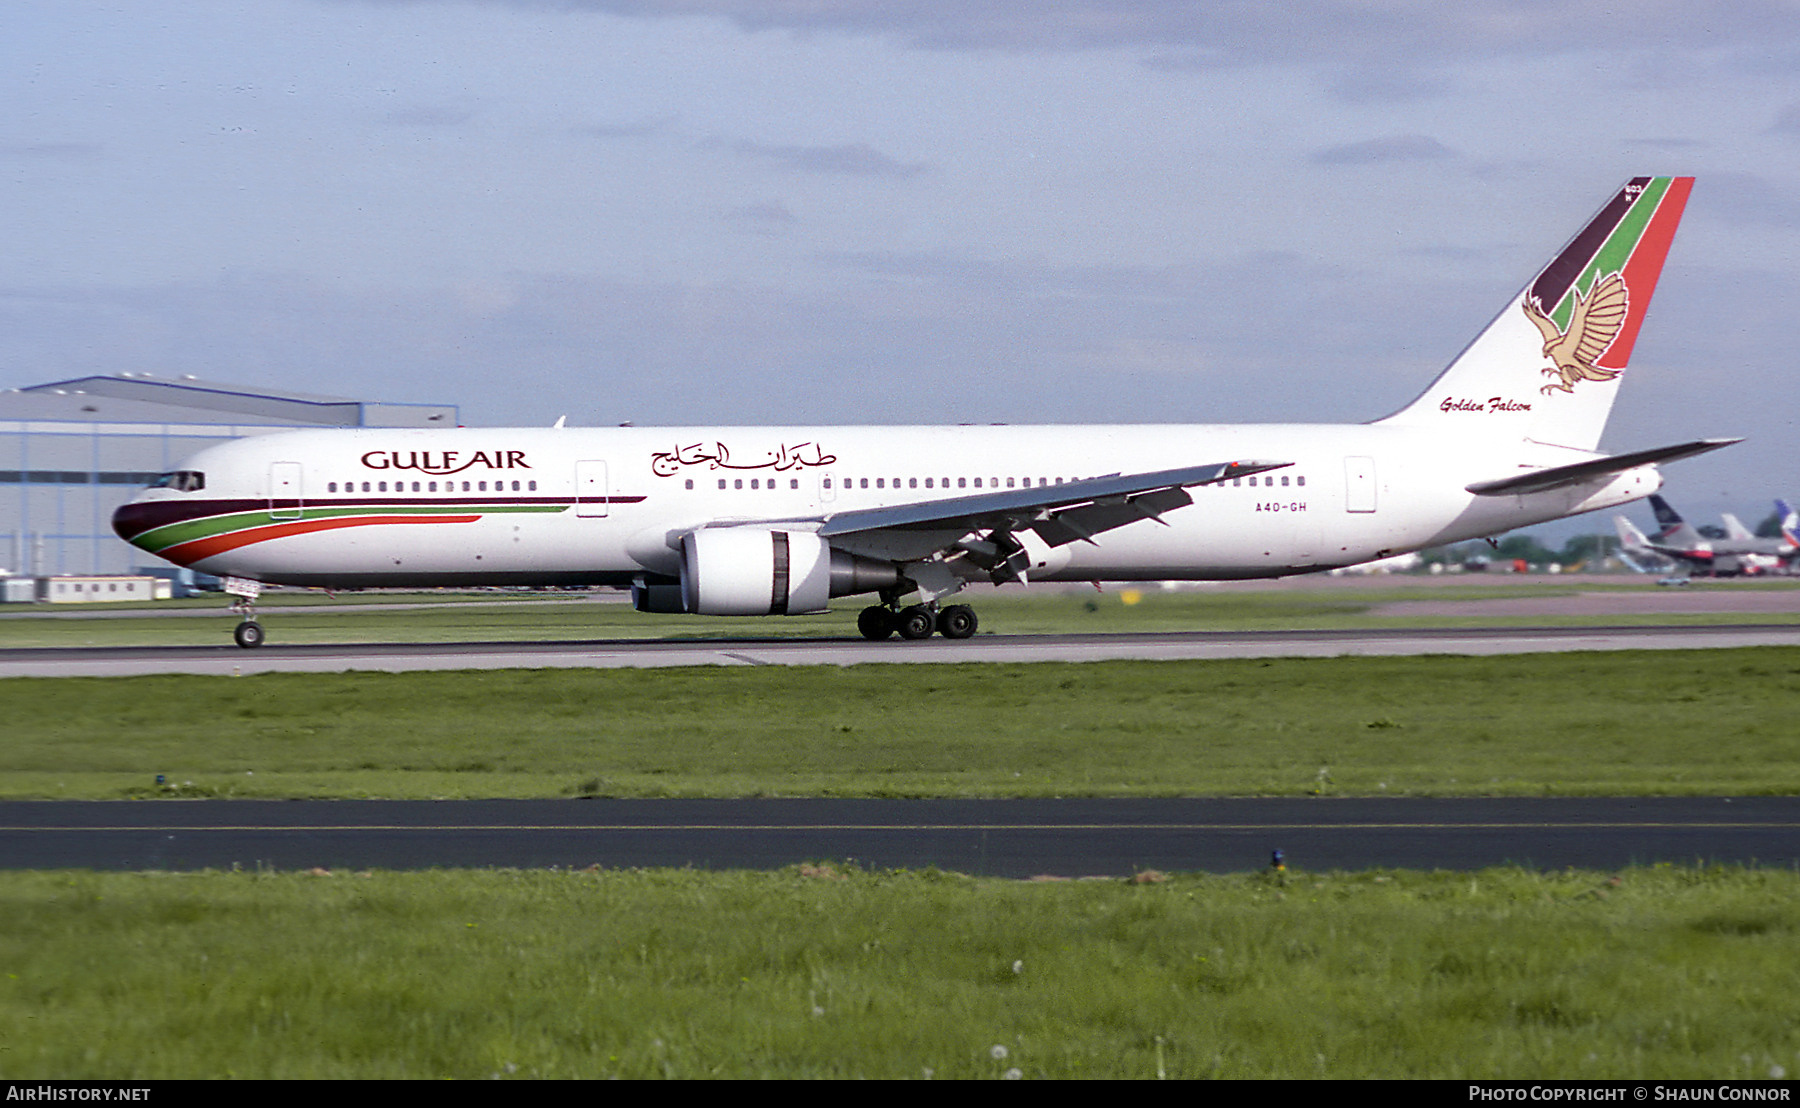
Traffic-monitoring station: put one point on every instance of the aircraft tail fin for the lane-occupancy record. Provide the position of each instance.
(1671, 528)
(1629, 536)
(1635, 550)
(1549, 366)
(1735, 529)
(1790, 523)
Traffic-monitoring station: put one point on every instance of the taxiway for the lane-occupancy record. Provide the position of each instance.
(1004, 838)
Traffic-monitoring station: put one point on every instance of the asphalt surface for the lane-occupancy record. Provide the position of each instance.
(227, 659)
(1004, 838)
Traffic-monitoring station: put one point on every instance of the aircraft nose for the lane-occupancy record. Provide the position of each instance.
(130, 522)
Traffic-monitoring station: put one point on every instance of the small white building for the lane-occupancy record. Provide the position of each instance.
(101, 588)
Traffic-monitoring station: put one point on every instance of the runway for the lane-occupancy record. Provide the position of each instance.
(228, 660)
(1001, 838)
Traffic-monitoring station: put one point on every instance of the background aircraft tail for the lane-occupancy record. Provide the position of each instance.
(1630, 537)
(1671, 529)
(1549, 365)
(1635, 550)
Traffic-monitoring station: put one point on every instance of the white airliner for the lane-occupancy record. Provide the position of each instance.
(752, 521)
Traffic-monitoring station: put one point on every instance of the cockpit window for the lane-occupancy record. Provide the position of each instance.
(182, 480)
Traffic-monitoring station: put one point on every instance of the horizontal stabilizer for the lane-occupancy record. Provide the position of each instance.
(1541, 480)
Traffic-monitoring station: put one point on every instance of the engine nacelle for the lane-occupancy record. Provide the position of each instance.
(750, 571)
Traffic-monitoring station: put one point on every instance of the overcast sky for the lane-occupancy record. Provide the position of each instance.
(785, 211)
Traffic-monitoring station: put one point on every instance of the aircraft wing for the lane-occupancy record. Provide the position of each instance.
(1058, 513)
(1540, 480)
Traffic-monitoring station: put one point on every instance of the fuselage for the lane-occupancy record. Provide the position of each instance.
(549, 506)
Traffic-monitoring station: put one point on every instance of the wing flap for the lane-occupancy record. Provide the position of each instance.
(1083, 522)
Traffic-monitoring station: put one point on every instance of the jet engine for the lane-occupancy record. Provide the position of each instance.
(749, 571)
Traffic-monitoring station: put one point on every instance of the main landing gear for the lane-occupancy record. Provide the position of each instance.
(878, 622)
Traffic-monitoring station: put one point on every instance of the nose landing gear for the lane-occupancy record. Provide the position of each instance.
(249, 633)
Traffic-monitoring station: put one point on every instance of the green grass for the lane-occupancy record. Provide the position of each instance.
(1616, 723)
(821, 972)
(1663, 972)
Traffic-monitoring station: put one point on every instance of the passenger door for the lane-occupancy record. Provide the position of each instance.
(284, 491)
(591, 489)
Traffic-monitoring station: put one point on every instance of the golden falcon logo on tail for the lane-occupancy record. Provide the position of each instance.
(1596, 321)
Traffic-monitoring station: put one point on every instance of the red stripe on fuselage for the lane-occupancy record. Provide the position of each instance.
(194, 550)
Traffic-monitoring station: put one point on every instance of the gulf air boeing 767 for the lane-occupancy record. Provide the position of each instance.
(756, 521)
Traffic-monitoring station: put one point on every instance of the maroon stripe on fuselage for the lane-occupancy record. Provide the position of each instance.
(136, 518)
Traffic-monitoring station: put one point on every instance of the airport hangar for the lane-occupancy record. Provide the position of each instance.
(73, 451)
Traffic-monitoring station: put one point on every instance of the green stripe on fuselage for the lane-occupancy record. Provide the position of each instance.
(171, 534)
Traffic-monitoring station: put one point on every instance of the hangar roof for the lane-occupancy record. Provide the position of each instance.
(144, 398)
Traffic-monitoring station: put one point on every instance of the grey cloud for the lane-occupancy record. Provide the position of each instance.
(1122, 343)
(53, 151)
(770, 217)
(1185, 33)
(848, 159)
(1745, 199)
(1388, 85)
(626, 130)
(1787, 123)
(1394, 148)
(428, 116)
(1266, 336)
